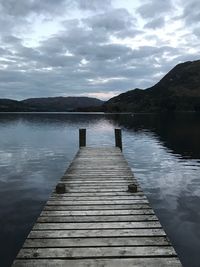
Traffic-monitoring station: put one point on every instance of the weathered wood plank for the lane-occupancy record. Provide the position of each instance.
(97, 194)
(97, 190)
(100, 252)
(90, 175)
(96, 233)
(137, 262)
(97, 202)
(96, 242)
(95, 225)
(92, 198)
(81, 212)
(97, 207)
(91, 165)
(108, 218)
(104, 181)
(98, 185)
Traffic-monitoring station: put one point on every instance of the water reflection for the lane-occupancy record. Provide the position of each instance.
(164, 153)
(178, 132)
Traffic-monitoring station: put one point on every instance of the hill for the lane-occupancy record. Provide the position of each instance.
(62, 103)
(50, 104)
(178, 90)
(9, 105)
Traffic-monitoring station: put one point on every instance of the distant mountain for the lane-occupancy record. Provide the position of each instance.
(62, 103)
(8, 105)
(178, 90)
(50, 104)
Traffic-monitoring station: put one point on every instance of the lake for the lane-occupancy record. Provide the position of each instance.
(163, 152)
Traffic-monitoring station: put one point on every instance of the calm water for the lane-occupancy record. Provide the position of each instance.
(164, 153)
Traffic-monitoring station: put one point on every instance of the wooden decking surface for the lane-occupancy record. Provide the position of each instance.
(97, 222)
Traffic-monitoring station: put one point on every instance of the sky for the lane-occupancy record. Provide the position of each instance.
(96, 48)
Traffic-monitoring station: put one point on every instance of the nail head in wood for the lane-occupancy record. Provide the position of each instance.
(60, 188)
(132, 188)
(82, 137)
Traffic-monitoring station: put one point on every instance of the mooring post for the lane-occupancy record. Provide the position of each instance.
(60, 188)
(118, 138)
(82, 137)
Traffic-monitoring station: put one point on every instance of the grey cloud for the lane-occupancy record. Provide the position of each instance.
(154, 8)
(10, 24)
(185, 57)
(191, 13)
(112, 21)
(10, 76)
(155, 23)
(25, 7)
(5, 52)
(16, 16)
(102, 52)
(196, 31)
(45, 70)
(84, 42)
(129, 33)
(46, 60)
(94, 4)
(11, 39)
(117, 22)
(5, 24)
(79, 35)
(150, 52)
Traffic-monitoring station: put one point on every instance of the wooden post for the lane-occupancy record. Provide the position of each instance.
(82, 137)
(118, 138)
(132, 188)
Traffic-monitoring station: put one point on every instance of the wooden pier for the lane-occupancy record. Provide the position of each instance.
(97, 216)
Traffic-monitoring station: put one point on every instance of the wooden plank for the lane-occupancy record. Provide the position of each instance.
(100, 182)
(92, 198)
(100, 252)
(97, 207)
(96, 233)
(92, 165)
(116, 262)
(100, 173)
(97, 178)
(97, 190)
(78, 167)
(96, 225)
(104, 175)
(116, 173)
(97, 194)
(108, 218)
(96, 242)
(81, 212)
(97, 202)
(90, 175)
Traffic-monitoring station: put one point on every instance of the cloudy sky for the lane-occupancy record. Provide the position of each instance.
(95, 48)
